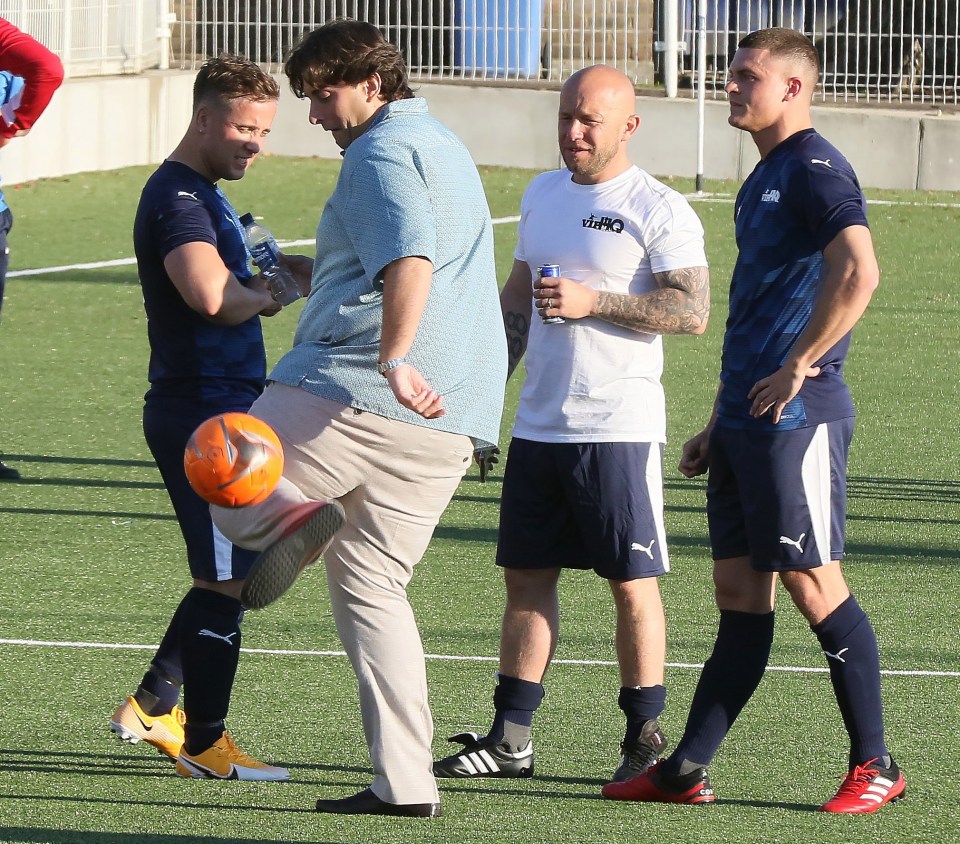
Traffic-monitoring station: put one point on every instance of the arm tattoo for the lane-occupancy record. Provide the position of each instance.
(680, 305)
(517, 327)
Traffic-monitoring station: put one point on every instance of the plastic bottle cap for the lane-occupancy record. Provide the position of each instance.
(247, 219)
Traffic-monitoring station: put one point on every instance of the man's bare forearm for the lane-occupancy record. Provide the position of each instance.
(681, 305)
(517, 328)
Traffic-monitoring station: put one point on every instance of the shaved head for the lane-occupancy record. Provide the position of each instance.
(596, 120)
(608, 81)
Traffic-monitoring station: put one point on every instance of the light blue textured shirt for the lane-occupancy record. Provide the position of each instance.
(11, 90)
(407, 188)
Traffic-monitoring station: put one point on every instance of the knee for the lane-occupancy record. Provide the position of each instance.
(530, 587)
(816, 592)
(637, 597)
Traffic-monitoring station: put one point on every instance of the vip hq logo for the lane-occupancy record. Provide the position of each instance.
(604, 224)
(770, 195)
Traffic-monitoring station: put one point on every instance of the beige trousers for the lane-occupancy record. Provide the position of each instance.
(394, 481)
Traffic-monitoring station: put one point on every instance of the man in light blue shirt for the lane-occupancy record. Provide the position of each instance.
(395, 376)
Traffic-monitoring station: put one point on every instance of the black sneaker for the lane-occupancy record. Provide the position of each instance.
(641, 753)
(8, 473)
(484, 757)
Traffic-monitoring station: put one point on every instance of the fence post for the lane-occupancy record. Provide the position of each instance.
(671, 45)
(165, 21)
(65, 56)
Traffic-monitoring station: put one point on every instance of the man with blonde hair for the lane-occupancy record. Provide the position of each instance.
(206, 357)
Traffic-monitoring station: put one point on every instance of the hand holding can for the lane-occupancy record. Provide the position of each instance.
(550, 271)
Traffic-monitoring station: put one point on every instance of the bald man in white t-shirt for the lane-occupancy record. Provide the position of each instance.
(583, 487)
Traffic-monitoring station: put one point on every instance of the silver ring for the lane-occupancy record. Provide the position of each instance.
(547, 303)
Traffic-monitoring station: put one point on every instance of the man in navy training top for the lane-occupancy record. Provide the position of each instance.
(776, 444)
(29, 75)
(206, 357)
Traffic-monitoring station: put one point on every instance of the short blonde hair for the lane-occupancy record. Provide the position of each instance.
(231, 77)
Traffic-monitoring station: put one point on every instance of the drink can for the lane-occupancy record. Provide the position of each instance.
(550, 271)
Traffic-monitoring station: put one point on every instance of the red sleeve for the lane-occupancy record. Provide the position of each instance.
(41, 70)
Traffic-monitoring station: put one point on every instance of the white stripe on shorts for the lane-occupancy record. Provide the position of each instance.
(654, 471)
(815, 476)
(222, 555)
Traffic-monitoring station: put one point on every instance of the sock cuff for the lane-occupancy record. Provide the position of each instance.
(646, 698)
(747, 627)
(514, 693)
(216, 602)
(841, 622)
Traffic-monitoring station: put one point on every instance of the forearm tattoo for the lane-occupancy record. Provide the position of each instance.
(517, 326)
(680, 305)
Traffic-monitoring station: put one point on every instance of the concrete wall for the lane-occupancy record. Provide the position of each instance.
(105, 123)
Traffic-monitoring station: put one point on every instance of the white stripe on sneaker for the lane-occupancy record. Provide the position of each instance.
(877, 790)
(468, 764)
(492, 766)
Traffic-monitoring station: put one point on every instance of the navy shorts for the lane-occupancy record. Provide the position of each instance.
(583, 506)
(779, 497)
(167, 426)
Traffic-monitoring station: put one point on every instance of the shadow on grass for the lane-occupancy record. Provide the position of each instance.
(17, 834)
(103, 514)
(91, 483)
(21, 460)
(78, 461)
(596, 795)
(147, 764)
(904, 489)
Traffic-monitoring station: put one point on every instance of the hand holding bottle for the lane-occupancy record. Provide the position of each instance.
(266, 255)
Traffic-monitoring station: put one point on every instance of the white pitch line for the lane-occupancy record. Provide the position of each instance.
(602, 663)
(693, 197)
(126, 262)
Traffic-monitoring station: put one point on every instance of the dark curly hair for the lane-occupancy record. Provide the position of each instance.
(347, 51)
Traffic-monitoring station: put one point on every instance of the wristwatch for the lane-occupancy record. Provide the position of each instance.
(384, 367)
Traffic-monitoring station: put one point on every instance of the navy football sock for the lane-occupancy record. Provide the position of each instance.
(209, 650)
(850, 645)
(728, 680)
(640, 705)
(514, 700)
(159, 689)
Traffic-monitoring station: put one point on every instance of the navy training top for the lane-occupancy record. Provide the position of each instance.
(788, 210)
(189, 355)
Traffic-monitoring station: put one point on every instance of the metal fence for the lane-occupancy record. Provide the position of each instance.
(95, 37)
(891, 51)
(887, 51)
(512, 40)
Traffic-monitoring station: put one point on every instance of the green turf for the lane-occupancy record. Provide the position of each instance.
(92, 554)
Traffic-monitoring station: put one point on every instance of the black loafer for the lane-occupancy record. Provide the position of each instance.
(367, 803)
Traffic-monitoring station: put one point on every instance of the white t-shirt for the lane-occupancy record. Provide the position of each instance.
(589, 380)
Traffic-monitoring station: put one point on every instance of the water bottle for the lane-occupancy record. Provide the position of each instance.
(266, 255)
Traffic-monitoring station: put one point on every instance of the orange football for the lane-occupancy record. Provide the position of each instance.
(233, 460)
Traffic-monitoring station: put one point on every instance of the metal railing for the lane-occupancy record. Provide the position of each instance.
(94, 37)
(888, 51)
(512, 40)
(891, 51)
